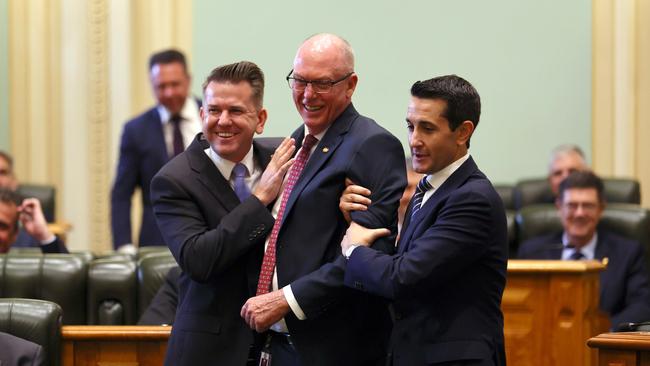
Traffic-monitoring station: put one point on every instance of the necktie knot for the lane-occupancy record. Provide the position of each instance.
(309, 142)
(577, 254)
(424, 185)
(176, 119)
(239, 170)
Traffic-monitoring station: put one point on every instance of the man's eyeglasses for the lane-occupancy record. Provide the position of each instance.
(586, 206)
(318, 86)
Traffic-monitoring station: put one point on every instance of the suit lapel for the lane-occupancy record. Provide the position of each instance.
(323, 152)
(458, 178)
(208, 175)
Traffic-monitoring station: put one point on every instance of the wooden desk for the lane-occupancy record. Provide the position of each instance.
(622, 349)
(550, 310)
(127, 345)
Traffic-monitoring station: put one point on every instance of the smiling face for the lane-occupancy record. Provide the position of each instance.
(170, 84)
(433, 144)
(230, 118)
(580, 211)
(322, 59)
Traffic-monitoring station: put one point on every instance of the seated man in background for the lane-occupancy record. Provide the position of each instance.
(624, 291)
(565, 159)
(7, 177)
(30, 215)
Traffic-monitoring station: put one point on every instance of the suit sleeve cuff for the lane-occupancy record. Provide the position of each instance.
(293, 303)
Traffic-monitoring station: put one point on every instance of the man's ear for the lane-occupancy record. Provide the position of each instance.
(262, 115)
(465, 131)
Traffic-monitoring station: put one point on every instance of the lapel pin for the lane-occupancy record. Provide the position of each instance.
(326, 149)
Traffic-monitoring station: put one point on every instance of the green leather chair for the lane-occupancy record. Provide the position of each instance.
(112, 292)
(536, 191)
(152, 249)
(152, 270)
(60, 278)
(37, 321)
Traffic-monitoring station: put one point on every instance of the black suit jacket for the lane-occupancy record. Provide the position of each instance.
(343, 327)
(218, 243)
(447, 280)
(624, 291)
(16, 351)
(142, 153)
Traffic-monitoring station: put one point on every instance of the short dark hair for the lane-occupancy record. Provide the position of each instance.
(463, 101)
(582, 179)
(167, 57)
(10, 161)
(237, 72)
(9, 197)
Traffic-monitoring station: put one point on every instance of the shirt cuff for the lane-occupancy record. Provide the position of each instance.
(293, 303)
(348, 252)
(49, 240)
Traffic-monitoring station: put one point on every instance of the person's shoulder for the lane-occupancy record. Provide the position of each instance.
(533, 247)
(616, 241)
(145, 117)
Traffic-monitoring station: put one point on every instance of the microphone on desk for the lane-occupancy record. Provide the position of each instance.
(544, 248)
(633, 327)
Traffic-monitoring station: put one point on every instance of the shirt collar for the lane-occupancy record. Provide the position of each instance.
(225, 166)
(438, 178)
(588, 250)
(318, 136)
(188, 113)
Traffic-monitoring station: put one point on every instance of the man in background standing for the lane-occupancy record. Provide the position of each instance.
(149, 141)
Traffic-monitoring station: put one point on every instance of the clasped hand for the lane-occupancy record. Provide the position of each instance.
(271, 181)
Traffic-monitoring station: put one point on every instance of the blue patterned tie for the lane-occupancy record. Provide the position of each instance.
(421, 189)
(577, 255)
(239, 173)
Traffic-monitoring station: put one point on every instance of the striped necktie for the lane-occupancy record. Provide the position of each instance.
(422, 188)
(268, 263)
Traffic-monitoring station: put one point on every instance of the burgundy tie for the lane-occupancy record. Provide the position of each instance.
(268, 264)
(178, 136)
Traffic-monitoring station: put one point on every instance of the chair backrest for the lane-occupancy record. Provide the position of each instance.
(37, 321)
(45, 193)
(152, 270)
(151, 249)
(628, 220)
(506, 192)
(538, 190)
(112, 292)
(60, 278)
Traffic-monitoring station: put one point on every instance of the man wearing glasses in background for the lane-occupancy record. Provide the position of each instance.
(624, 292)
(305, 314)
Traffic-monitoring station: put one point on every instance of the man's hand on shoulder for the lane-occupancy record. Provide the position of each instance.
(270, 183)
(262, 311)
(353, 198)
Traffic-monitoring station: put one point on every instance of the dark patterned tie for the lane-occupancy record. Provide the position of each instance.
(178, 136)
(577, 255)
(268, 264)
(239, 173)
(421, 189)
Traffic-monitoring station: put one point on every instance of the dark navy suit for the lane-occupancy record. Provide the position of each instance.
(624, 291)
(24, 240)
(16, 351)
(142, 153)
(447, 279)
(343, 326)
(218, 243)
